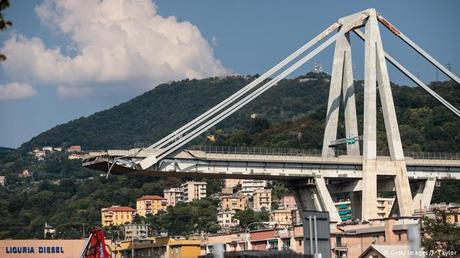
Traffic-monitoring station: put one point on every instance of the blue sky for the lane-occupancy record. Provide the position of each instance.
(240, 36)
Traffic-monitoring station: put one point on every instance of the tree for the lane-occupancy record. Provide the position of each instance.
(249, 216)
(4, 24)
(439, 235)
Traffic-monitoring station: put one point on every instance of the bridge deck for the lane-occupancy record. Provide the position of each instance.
(190, 163)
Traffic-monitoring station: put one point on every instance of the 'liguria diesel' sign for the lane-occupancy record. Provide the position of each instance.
(34, 250)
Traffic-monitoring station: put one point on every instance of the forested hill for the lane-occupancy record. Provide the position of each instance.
(62, 193)
(290, 115)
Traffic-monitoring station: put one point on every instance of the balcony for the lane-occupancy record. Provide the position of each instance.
(341, 247)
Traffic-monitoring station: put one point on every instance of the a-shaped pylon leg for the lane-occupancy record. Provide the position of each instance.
(376, 70)
(403, 193)
(369, 193)
(341, 82)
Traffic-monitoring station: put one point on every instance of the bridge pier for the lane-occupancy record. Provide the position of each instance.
(313, 195)
(422, 198)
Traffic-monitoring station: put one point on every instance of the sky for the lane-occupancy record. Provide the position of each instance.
(66, 60)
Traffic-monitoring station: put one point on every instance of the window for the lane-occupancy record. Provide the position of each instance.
(338, 241)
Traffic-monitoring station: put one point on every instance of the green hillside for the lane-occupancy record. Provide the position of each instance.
(293, 106)
(291, 115)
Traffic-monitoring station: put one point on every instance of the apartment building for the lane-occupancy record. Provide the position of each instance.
(262, 199)
(226, 219)
(136, 231)
(248, 186)
(231, 183)
(288, 202)
(233, 201)
(193, 191)
(172, 196)
(117, 215)
(150, 204)
(282, 217)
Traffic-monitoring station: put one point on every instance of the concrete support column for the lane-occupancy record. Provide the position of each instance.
(403, 193)
(370, 90)
(388, 107)
(341, 79)
(306, 197)
(326, 200)
(315, 196)
(369, 193)
(348, 97)
(333, 105)
(402, 187)
(422, 198)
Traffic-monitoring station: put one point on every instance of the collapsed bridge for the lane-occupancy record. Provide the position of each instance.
(313, 178)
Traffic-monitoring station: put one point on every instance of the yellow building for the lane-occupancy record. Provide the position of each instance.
(233, 202)
(262, 199)
(166, 247)
(150, 204)
(281, 217)
(117, 215)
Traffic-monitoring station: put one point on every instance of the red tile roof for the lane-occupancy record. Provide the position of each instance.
(119, 208)
(150, 197)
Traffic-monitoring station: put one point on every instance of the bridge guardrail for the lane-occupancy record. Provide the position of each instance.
(309, 152)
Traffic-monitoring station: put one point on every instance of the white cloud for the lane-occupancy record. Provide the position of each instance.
(15, 90)
(118, 43)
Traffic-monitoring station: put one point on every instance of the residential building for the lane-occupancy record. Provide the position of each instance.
(157, 247)
(226, 219)
(150, 204)
(351, 240)
(227, 190)
(248, 186)
(117, 215)
(172, 196)
(348, 240)
(136, 231)
(452, 211)
(76, 156)
(282, 217)
(192, 190)
(387, 251)
(39, 154)
(2, 180)
(231, 183)
(74, 148)
(288, 202)
(233, 201)
(57, 148)
(295, 216)
(262, 199)
(47, 148)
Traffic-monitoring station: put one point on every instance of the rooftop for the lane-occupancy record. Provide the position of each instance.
(119, 208)
(150, 197)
